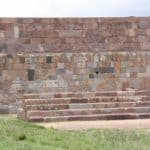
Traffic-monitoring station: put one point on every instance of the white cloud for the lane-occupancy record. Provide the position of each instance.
(73, 8)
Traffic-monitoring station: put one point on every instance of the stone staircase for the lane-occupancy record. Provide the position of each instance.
(86, 106)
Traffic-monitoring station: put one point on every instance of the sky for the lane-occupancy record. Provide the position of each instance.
(74, 8)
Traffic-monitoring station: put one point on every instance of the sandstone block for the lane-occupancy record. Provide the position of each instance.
(71, 33)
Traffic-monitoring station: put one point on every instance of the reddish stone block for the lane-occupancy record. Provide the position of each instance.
(125, 85)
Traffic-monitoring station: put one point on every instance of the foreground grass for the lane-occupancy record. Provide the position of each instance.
(19, 135)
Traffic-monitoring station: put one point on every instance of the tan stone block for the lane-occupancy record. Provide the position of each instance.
(16, 31)
(148, 32)
(4, 74)
(145, 46)
(18, 66)
(8, 20)
(131, 32)
(145, 83)
(81, 64)
(70, 33)
(2, 35)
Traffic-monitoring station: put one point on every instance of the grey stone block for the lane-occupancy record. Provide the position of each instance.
(31, 73)
(3, 47)
(51, 77)
(4, 109)
(91, 75)
(80, 106)
(104, 70)
(142, 110)
(60, 71)
(49, 59)
(142, 69)
(134, 83)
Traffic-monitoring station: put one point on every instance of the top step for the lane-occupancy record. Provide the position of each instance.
(87, 94)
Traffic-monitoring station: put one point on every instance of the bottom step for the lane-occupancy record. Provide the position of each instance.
(91, 117)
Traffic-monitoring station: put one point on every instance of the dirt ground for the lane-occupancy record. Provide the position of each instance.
(84, 125)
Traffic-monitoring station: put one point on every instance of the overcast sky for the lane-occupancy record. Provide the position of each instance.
(74, 8)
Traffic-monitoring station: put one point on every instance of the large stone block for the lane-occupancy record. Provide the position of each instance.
(145, 45)
(22, 59)
(104, 70)
(3, 47)
(16, 32)
(60, 71)
(31, 74)
(70, 33)
(4, 109)
(144, 24)
(49, 59)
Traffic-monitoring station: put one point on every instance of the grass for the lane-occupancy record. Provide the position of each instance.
(19, 135)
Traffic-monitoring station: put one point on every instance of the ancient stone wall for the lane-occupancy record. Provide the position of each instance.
(72, 54)
(74, 34)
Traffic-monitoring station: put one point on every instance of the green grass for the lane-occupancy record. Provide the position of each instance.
(19, 135)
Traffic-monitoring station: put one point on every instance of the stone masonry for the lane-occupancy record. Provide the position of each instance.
(72, 55)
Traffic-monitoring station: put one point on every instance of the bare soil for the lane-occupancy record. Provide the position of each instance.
(84, 125)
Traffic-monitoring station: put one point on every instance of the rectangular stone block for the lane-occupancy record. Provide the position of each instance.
(1, 85)
(145, 45)
(80, 106)
(70, 33)
(60, 71)
(60, 65)
(4, 109)
(104, 70)
(3, 47)
(31, 73)
(49, 59)
(22, 60)
(145, 24)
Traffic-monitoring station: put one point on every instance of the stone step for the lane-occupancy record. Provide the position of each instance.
(144, 92)
(68, 94)
(4, 111)
(73, 112)
(115, 116)
(86, 100)
(83, 94)
(86, 105)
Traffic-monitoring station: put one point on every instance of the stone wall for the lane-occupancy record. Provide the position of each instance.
(72, 54)
(74, 34)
